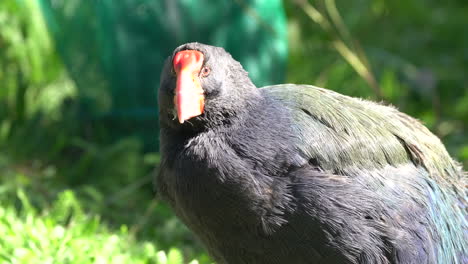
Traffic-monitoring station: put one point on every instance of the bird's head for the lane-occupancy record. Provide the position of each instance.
(203, 86)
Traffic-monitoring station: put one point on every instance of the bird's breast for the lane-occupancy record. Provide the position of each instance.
(211, 184)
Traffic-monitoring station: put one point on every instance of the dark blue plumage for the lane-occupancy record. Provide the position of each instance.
(299, 174)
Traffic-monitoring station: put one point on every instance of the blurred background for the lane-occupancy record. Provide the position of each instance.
(78, 106)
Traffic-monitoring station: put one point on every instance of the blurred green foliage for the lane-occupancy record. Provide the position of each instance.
(70, 195)
(28, 65)
(114, 50)
(415, 50)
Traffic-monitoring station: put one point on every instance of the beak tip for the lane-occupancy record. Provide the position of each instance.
(181, 119)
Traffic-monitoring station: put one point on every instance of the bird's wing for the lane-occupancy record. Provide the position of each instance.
(341, 133)
(386, 155)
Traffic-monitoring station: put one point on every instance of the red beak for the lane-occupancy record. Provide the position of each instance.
(189, 99)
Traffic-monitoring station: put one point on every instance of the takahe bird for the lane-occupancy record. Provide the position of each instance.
(299, 174)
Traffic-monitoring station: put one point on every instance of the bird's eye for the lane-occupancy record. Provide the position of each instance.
(205, 71)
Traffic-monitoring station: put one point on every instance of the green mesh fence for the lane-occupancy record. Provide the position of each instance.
(114, 50)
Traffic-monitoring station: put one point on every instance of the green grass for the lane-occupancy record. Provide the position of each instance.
(66, 234)
(45, 222)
